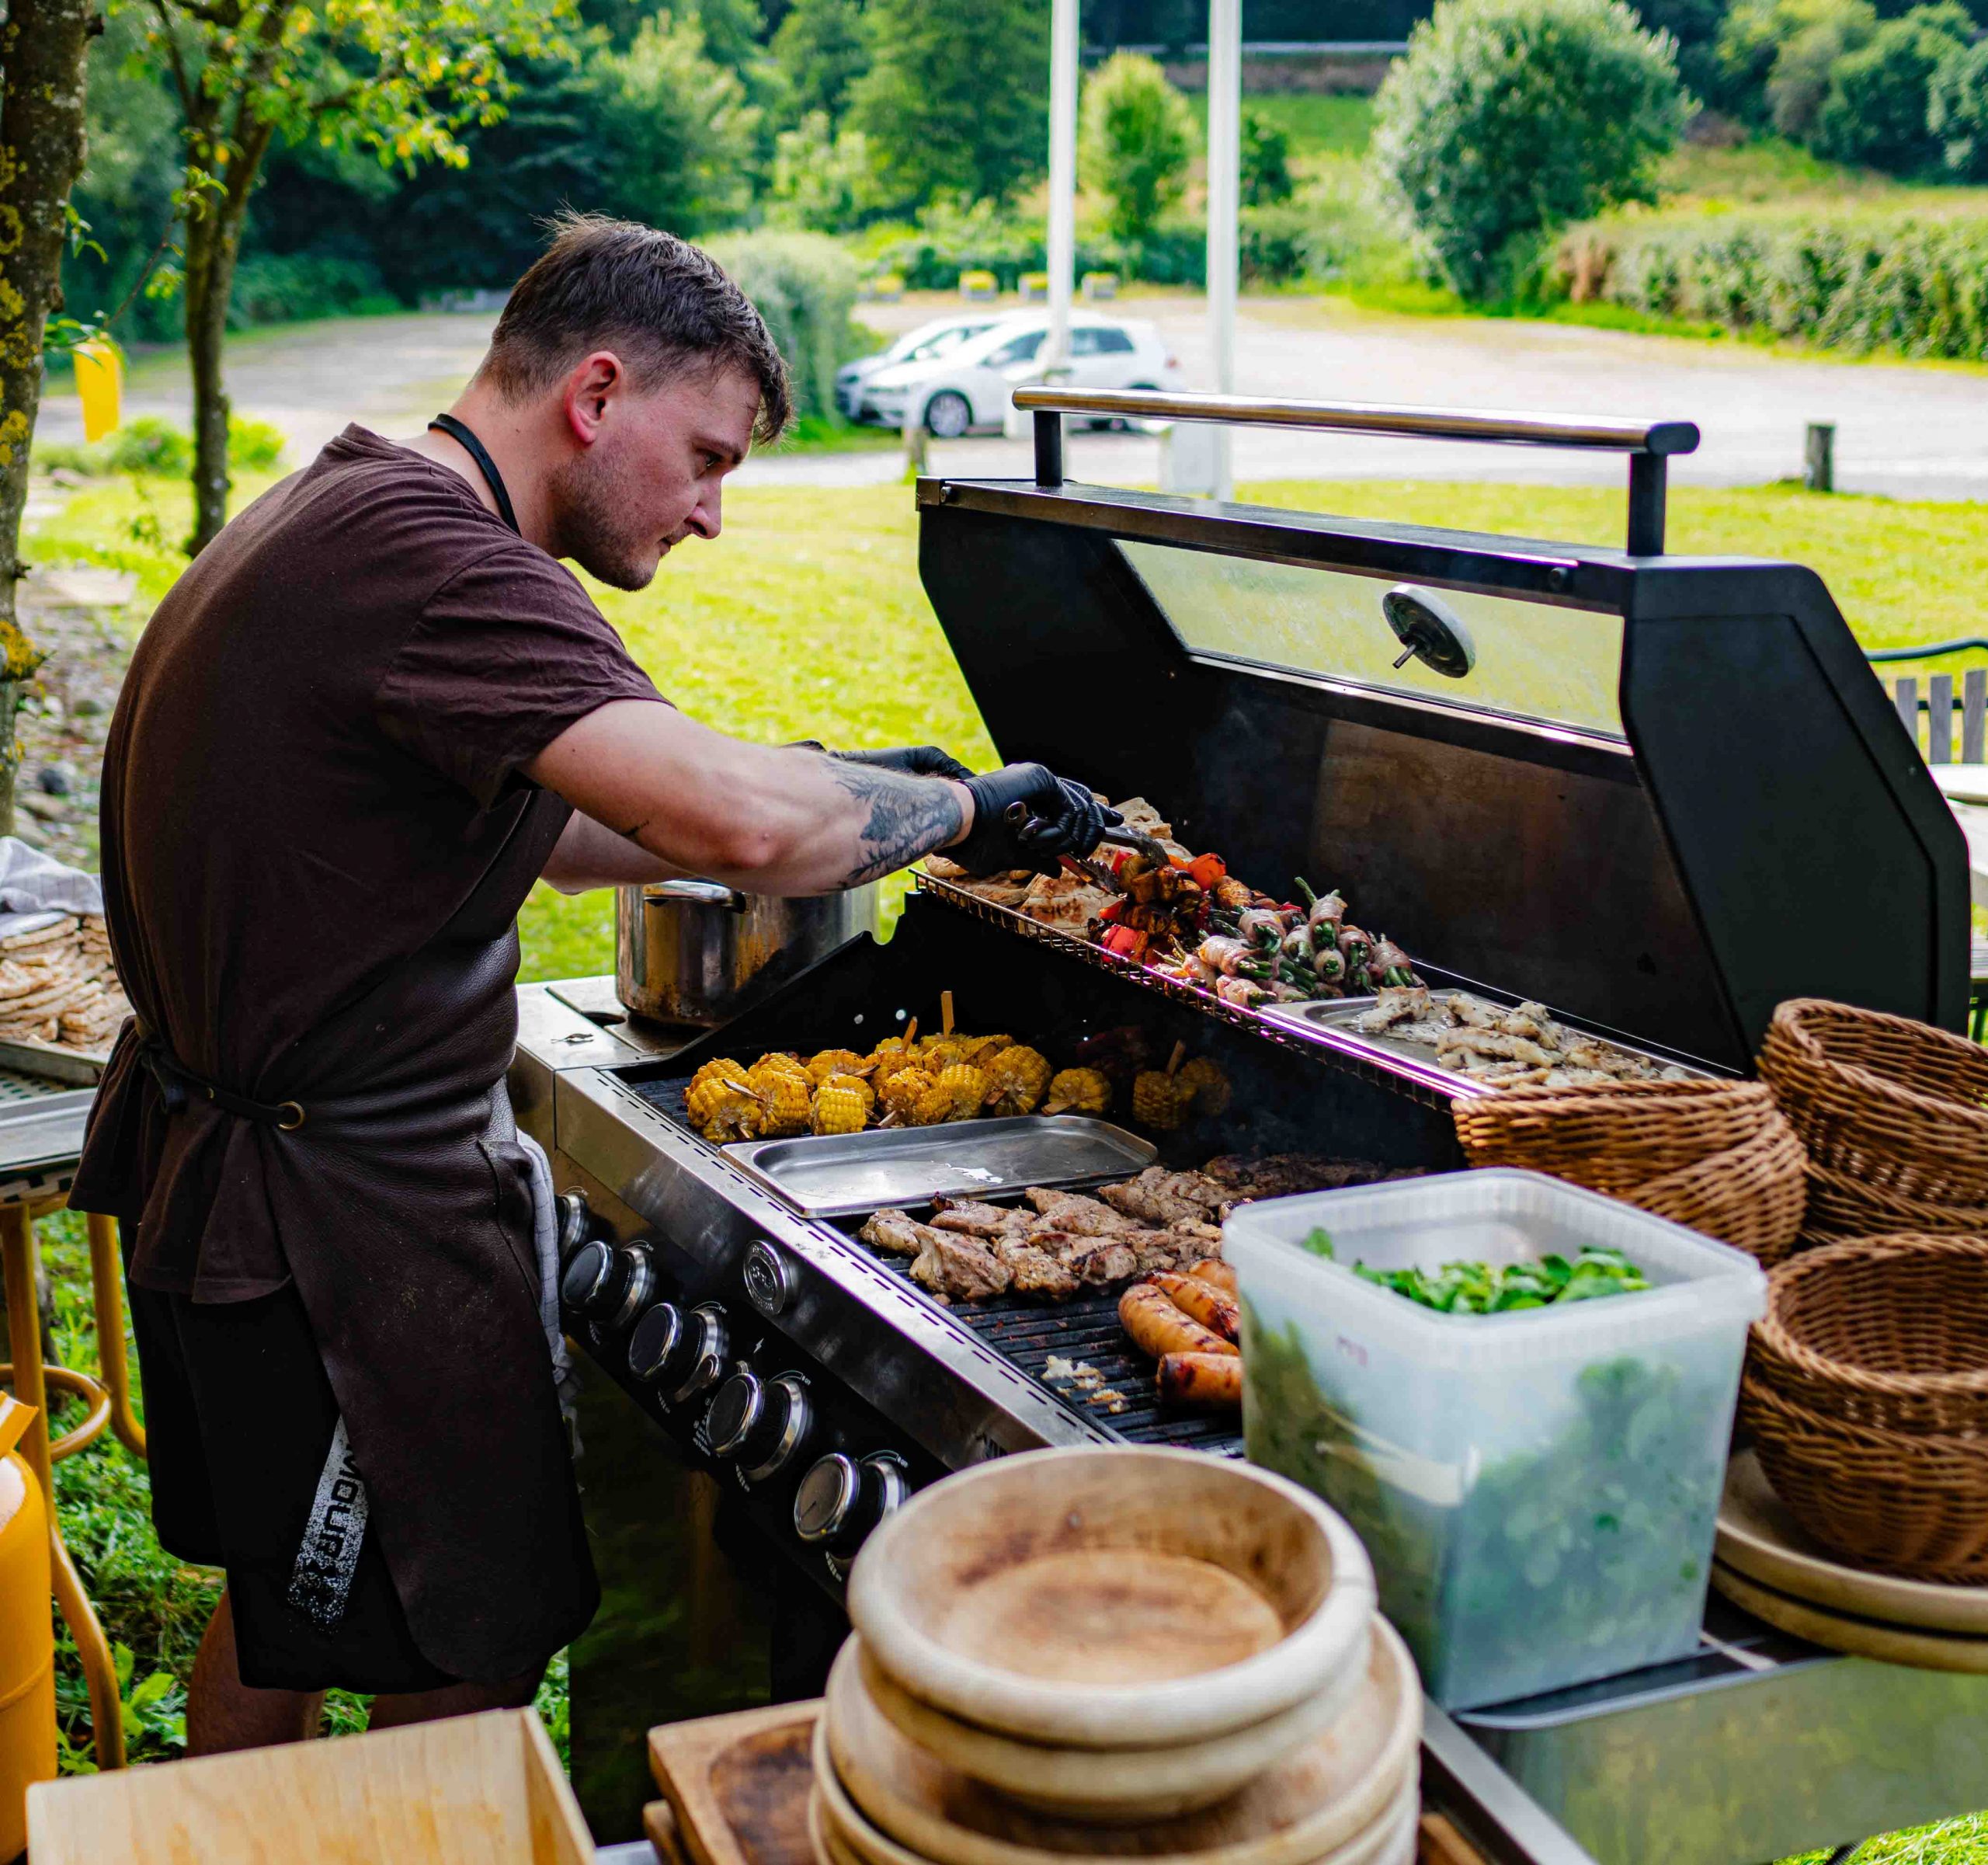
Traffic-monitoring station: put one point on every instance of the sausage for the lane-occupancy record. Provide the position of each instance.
(1211, 1306)
(1223, 1274)
(1149, 1316)
(1214, 1380)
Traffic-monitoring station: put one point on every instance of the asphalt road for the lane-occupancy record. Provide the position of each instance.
(1910, 431)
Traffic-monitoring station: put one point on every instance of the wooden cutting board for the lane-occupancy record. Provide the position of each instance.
(738, 1785)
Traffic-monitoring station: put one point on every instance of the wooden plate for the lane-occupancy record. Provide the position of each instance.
(1389, 1839)
(1840, 1632)
(1758, 1538)
(1334, 1789)
(1113, 1785)
(1115, 1597)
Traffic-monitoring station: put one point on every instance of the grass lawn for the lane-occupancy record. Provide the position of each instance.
(807, 619)
(1332, 124)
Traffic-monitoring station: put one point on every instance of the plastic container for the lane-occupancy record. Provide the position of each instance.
(1538, 1490)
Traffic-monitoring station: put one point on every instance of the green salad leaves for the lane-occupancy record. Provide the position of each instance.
(1477, 1289)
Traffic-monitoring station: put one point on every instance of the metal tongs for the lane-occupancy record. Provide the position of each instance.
(1154, 852)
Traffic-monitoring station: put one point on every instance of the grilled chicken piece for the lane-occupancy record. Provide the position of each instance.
(958, 1266)
(1395, 1003)
(894, 1233)
(1206, 1238)
(1159, 1197)
(1098, 1261)
(976, 1219)
(1494, 1043)
(1036, 1270)
(1279, 1174)
(1068, 1211)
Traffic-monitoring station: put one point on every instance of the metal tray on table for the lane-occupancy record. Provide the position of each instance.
(844, 1175)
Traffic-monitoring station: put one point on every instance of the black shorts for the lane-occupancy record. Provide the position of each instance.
(239, 1417)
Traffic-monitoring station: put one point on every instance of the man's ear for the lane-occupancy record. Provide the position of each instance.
(591, 389)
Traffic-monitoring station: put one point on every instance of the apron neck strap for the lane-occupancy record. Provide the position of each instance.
(458, 431)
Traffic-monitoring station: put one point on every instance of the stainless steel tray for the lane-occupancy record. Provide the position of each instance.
(39, 1134)
(1328, 1022)
(844, 1175)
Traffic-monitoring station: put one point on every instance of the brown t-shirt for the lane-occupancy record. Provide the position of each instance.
(315, 768)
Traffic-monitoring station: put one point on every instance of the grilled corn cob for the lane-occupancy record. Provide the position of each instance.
(856, 1084)
(1078, 1091)
(956, 1093)
(834, 1062)
(841, 1105)
(901, 1093)
(724, 1109)
(784, 1092)
(941, 1053)
(1208, 1087)
(711, 1070)
(981, 1050)
(1018, 1077)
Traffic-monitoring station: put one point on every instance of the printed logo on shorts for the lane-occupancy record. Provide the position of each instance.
(321, 1584)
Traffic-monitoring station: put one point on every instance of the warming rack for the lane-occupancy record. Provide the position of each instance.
(1432, 1087)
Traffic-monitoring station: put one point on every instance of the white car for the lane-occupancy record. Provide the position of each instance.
(919, 346)
(968, 385)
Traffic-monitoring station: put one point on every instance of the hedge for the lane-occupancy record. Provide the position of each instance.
(1919, 286)
(804, 285)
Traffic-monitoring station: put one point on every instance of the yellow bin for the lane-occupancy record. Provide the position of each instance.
(27, 1634)
(100, 384)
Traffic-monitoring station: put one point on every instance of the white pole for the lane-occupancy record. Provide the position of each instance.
(1224, 192)
(1063, 65)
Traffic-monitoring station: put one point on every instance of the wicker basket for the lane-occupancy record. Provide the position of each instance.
(1890, 1332)
(1751, 1195)
(1893, 1105)
(1614, 1138)
(1840, 1207)
(1895, 1501)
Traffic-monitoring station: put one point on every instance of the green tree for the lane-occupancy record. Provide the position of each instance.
(400, 77)
(44, 46)
(1877, 109)
(821, 50)
(820, 180)
(1135, 140)
(955, 100)
(1957, 110)
(1509, 118)
(675, 130)
(1776, 57)
(1265, 154)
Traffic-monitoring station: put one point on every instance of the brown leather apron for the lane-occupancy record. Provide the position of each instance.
(406, 1229)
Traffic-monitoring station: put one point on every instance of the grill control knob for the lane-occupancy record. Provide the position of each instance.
(681, 1354)
(575, 1222)
(609, 1285)
(841, 1500)
(658, 1335)
(763, 1424)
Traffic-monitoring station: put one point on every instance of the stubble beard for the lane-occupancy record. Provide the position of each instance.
(589, 494)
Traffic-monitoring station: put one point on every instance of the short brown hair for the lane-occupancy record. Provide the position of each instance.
(661, 303)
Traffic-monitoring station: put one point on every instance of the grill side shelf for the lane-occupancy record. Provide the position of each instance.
(1345, 1059)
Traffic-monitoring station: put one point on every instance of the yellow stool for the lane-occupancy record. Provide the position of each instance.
(27, 1634)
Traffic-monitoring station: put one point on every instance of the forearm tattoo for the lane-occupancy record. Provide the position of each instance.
(909, 816)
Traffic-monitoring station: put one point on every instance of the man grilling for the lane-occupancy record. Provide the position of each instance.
(370, 714)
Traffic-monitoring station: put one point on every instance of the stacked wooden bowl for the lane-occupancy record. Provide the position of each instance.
(1117, 1653)
(1866, 1396)
(1893, 1114)
(1714, 1156)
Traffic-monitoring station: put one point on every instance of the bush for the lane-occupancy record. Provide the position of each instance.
(1776, 57)
(1957, 110)
(146, 444)
(284, 288)
(1508, 118)
(1875, 113)
(1266, 162)
(804, 285)
(1136, 139)
(1855, 283)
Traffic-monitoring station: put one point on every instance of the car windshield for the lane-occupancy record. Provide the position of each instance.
(938, 342)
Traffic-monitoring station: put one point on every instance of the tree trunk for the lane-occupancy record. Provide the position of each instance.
(212, 241)
(42, 47)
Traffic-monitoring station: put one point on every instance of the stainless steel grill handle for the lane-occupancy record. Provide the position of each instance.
(1648, 444)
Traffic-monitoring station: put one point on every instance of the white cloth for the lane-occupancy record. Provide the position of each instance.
(36, 889)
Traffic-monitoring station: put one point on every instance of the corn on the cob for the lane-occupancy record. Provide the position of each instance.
(856, 1084)
(1208, 1087)
(779, 1061)
(840, 1106)
(934, 1104)
(834, 1062)
(1018, 1078)
(724, 1109)
(1159, 1100)
(966, 1088)
(981, 1050)
(784, 1092)
(724, 1066)
(941, 1053)
(1079, 1091)
(901, 1093)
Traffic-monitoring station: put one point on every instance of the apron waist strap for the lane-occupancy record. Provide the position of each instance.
(177, 1083)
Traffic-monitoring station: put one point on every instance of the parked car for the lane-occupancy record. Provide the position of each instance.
(967, 386)
(919, 345)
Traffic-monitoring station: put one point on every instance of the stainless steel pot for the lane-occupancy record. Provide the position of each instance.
(698, 951)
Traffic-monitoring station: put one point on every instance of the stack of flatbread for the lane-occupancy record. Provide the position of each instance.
(57, 985)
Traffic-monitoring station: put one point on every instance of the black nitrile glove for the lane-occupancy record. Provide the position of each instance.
(911, 761)
(1054, 818)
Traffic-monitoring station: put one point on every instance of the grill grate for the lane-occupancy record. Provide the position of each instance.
(1027, 1334)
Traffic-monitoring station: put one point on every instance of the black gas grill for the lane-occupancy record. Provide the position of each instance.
(1658, 795)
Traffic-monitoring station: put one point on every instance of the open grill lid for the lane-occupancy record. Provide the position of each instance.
(1661, 793)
